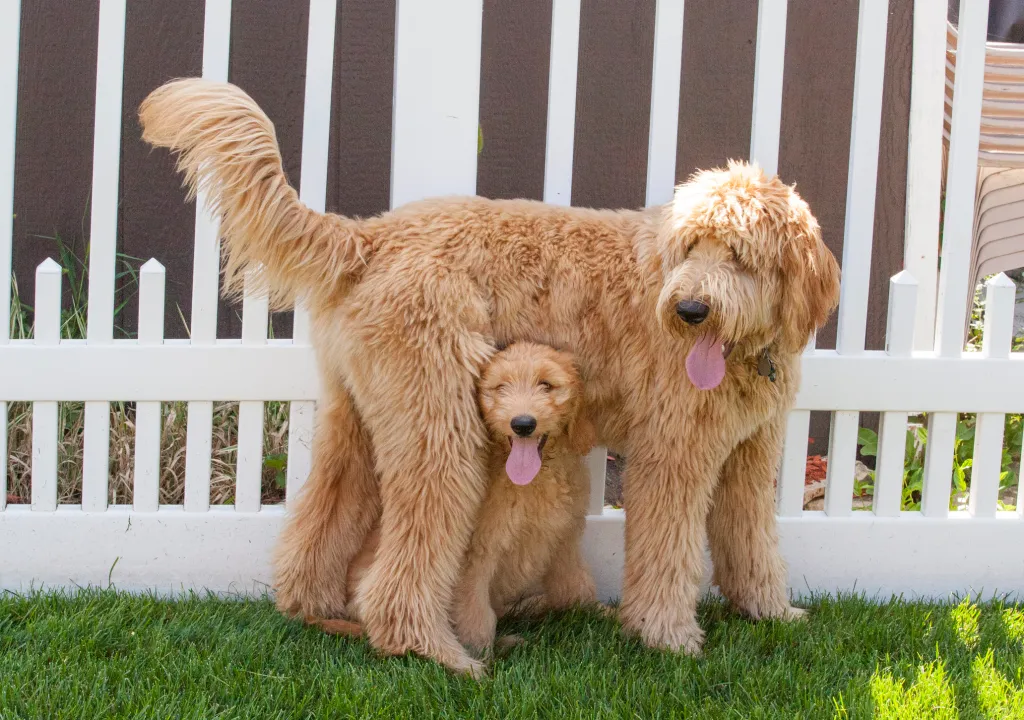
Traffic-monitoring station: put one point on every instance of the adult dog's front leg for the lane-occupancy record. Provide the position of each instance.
(748, 567)
(668, 494)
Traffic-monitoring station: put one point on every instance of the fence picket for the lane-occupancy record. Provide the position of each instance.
(316, 123)
(664, 127)
(205, 276)
(789, 492)
(10, 27)
(957, 234)
(597, 466)
(44, 414)
(842, 455)
(106, 168)
(561, 125)
(255, 313)
(988, 436)
(146, 493)
(769, 66)
(924, 163)
(892, 426)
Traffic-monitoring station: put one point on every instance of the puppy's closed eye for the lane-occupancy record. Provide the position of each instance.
(545, 385)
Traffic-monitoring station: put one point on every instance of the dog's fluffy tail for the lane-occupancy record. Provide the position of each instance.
(227, 148)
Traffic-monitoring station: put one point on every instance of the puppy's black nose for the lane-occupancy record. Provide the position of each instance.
(693, 312)
(523, 425)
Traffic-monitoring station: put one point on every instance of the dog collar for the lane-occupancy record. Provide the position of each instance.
(765, 366)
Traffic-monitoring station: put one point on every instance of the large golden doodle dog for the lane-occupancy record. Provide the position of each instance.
(525, 546)
(687, 321)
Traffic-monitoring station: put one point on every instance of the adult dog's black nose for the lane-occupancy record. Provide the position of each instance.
(523, 425)
(693, 312)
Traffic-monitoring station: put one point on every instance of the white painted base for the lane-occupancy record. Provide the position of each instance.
(228, 552)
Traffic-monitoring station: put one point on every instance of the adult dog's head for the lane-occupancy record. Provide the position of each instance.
(744, 269)
(532, 397)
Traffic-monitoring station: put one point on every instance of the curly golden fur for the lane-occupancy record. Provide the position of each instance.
(407, 307)
(525, 547)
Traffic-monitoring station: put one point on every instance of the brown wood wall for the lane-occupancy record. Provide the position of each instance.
(268, 48)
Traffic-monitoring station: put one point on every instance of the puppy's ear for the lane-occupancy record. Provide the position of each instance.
(581, 433)
(811, 279)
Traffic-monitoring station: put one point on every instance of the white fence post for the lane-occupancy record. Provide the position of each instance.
(146, 493)
(789, 490)
(957, 234)
(924, 163)
(892, 426)
(106, 169)
(561, 125)
(435, 129)
(664, 126)
(44, 414)
(249, 476)
(10, 27)
(205, 277)
(988, 435)
(769, 67)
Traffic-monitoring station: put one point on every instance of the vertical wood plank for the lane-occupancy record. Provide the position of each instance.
(44, 414)
(205, 277)
(988, 436)
(892, 429)
(668, 60)
(961, 180)
(512, 104)
(789, 491)
(316, 128)
(842, 455)
(437, 93)
(769, 66)
(146, 491)
(106, 167)
(561, 126)
(10, 26)
(924, 163)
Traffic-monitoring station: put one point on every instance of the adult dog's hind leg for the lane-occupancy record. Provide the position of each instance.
(748, 567)
(429, 441)
(327, 523)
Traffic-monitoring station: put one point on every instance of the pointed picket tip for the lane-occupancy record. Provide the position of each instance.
(48, 266)
(152, 266)
(1000, 280)
(903, 277)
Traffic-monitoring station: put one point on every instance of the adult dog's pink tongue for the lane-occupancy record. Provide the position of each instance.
(523, 462)
(706, 363)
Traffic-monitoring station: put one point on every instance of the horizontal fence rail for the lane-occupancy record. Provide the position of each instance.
(952, 544)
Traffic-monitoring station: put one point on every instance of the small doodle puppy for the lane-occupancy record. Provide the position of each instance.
(525, 549)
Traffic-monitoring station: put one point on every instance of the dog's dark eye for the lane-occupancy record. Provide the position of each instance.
(544, 385)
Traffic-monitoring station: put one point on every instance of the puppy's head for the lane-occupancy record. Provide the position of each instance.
(744, 268)
(531, 397)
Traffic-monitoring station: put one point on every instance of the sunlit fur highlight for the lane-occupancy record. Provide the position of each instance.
(525, 547)
(408, 306)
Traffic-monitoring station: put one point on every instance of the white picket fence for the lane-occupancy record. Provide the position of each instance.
(226, 548)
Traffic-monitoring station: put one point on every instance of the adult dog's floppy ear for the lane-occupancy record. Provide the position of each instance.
(810, 277)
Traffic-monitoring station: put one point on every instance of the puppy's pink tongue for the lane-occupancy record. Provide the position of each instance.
(706, 363)
(523, 462)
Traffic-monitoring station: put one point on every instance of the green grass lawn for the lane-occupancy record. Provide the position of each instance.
(105, 654)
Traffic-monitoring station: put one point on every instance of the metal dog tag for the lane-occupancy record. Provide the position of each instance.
(765, 366)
